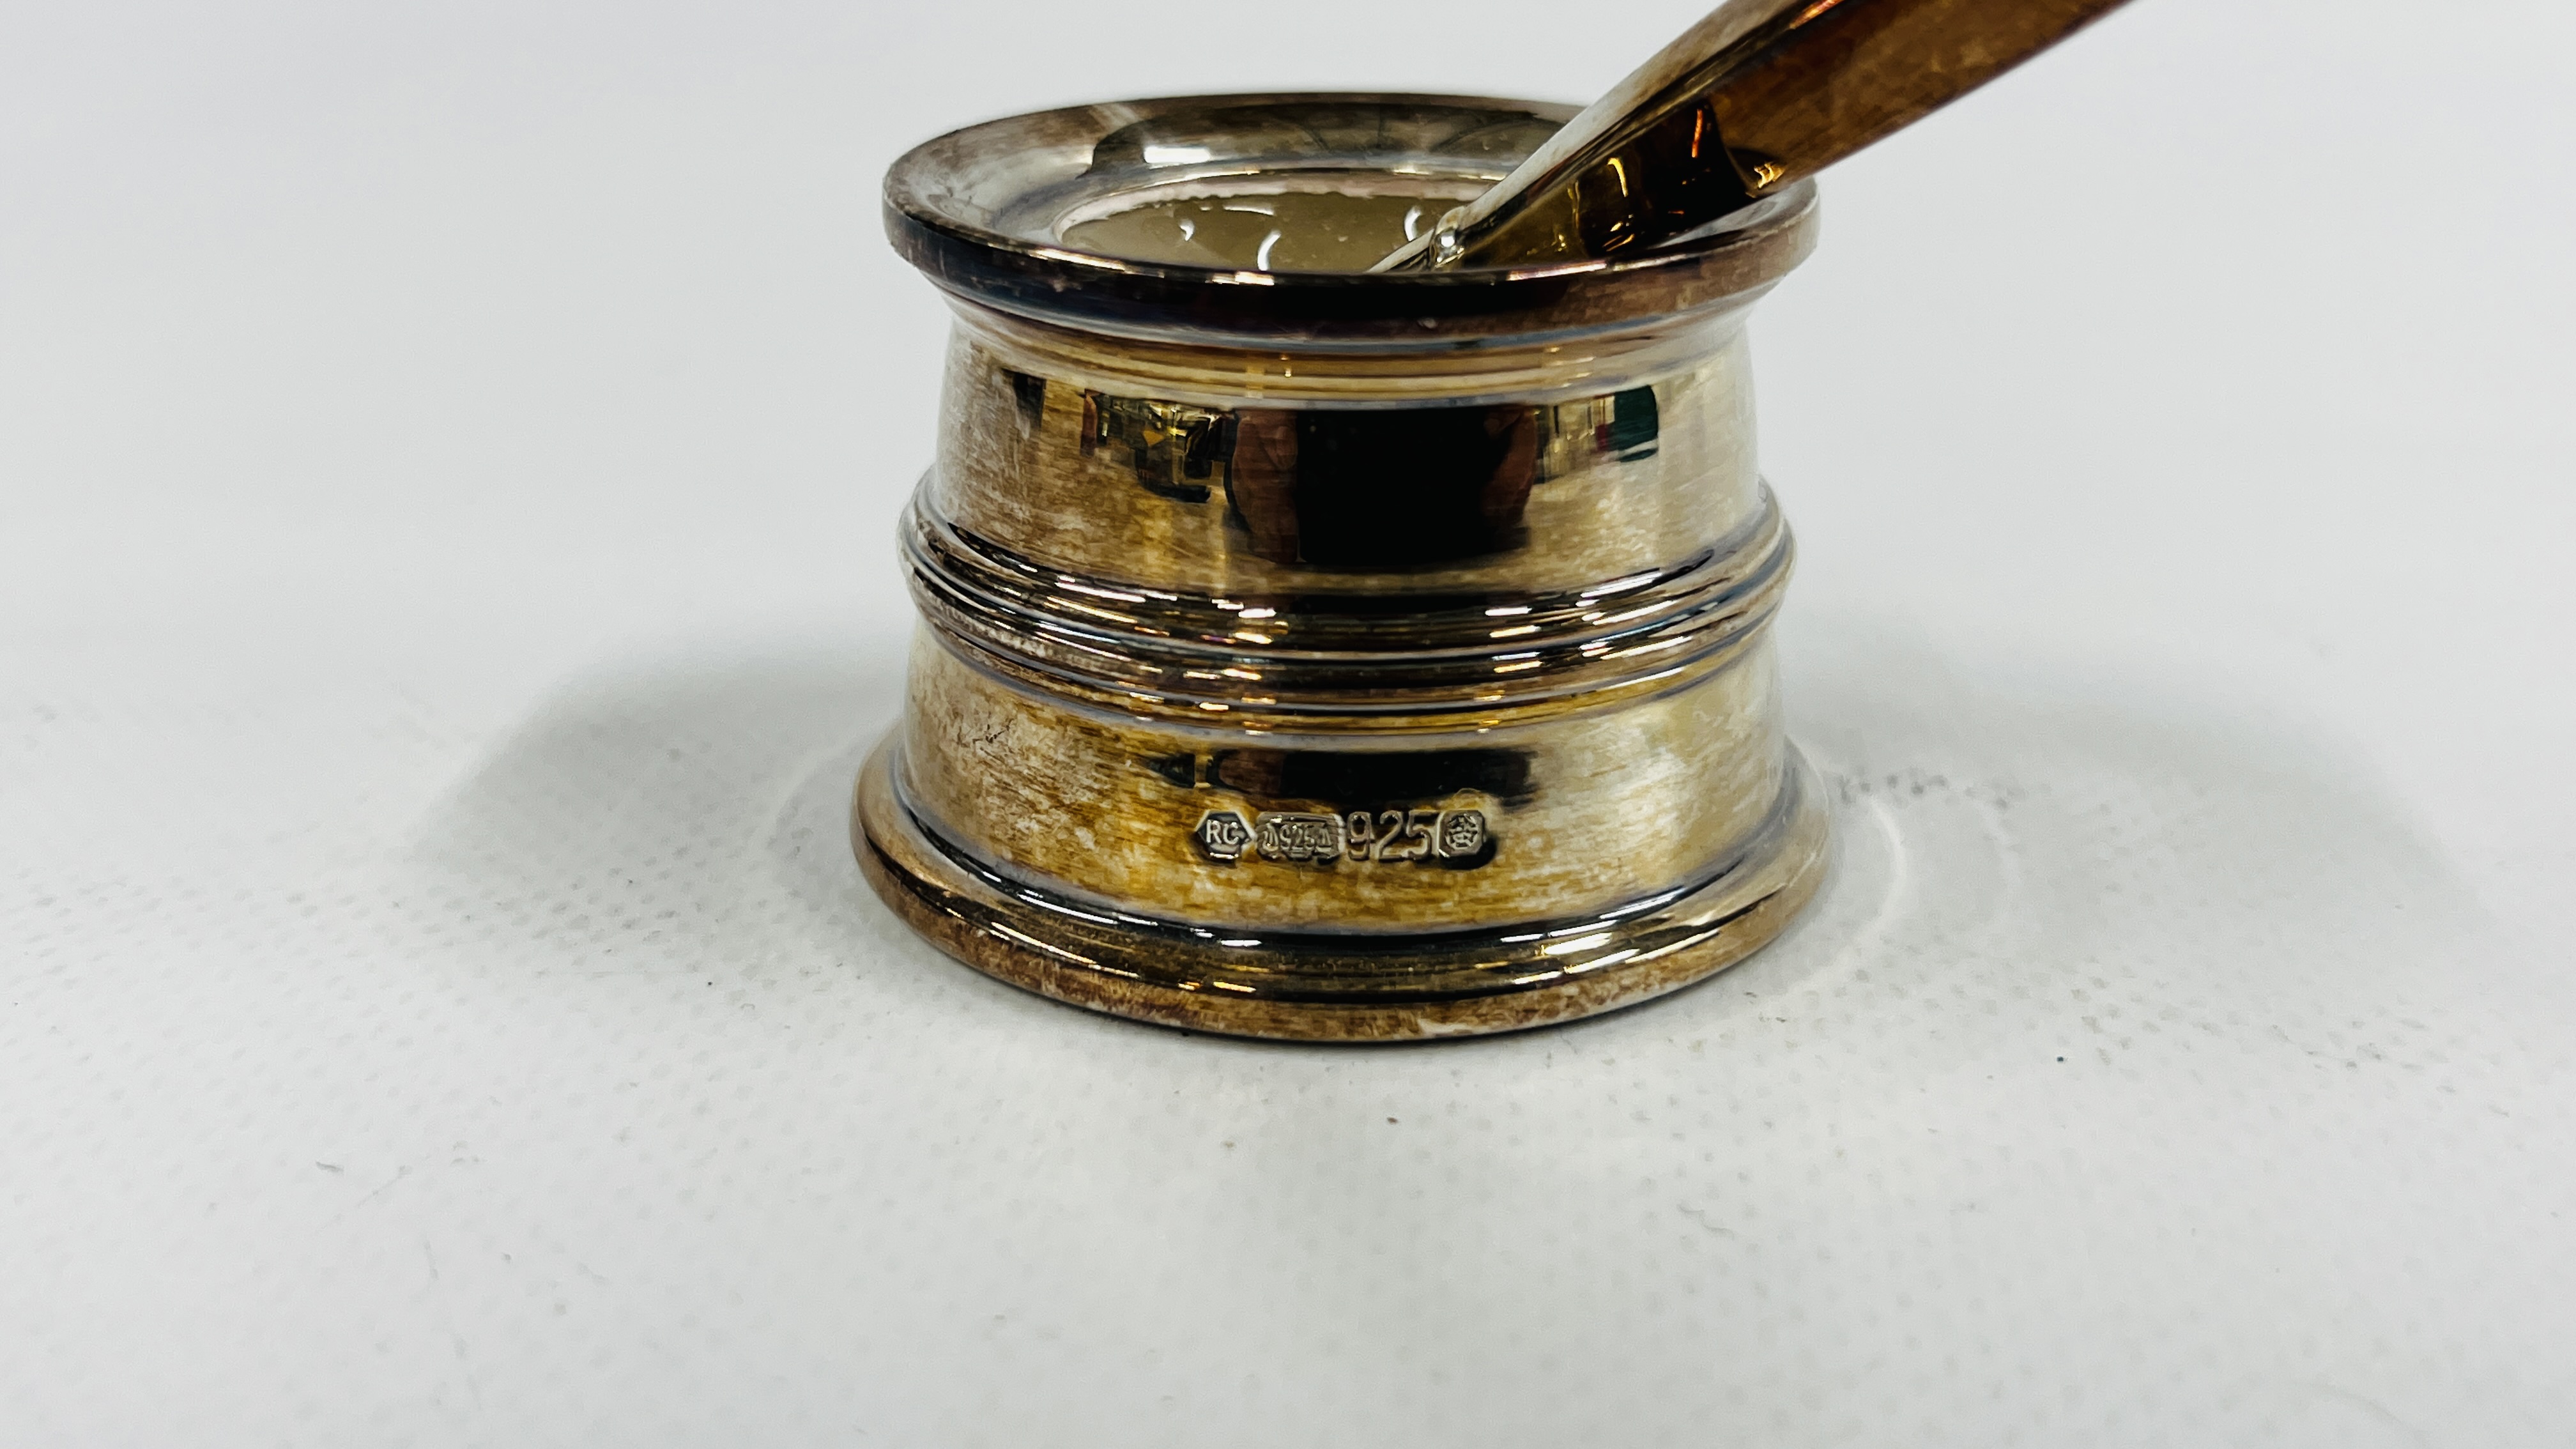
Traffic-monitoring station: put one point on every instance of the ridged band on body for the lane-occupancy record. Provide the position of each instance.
(1327, 653)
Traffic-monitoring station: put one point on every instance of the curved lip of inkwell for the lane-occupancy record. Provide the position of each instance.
(975, 211)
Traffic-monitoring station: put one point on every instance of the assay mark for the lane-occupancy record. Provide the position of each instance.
(1379, 836)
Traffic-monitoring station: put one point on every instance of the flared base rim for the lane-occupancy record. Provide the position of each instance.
(1346, 987)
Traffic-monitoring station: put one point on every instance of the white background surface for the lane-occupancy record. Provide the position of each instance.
(449, 455)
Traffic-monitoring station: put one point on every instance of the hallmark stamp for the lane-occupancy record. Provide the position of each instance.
(1460, 835)
(1391, 835)
(1294, 836)
(1459, 838)
(1223, 835)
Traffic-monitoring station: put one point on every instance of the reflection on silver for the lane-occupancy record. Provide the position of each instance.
(1292, 667)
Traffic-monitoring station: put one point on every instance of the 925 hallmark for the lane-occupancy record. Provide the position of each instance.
(1454, 837)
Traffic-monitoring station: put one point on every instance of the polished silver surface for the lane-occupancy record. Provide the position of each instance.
(1314, 668)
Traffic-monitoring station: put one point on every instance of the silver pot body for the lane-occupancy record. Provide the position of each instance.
(1323, 655)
